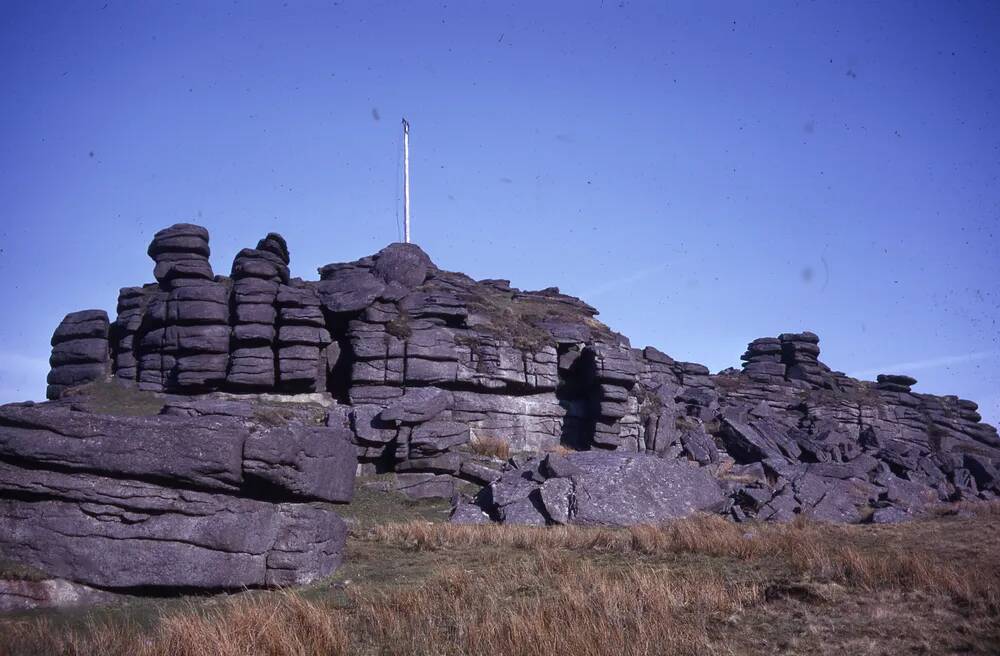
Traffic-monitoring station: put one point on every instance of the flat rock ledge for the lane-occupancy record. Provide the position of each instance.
(198, 498)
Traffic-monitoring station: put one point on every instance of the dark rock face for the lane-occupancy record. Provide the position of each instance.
(103, 533)
(840, 449)
(432, 370)
(895, 382)
(80, 351)
(174, 335)
(402, 264)
(181, 255)
(200, 497)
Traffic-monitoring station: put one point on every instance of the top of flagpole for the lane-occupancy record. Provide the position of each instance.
(406, 181)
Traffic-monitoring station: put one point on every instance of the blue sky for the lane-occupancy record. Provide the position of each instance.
(703, 173)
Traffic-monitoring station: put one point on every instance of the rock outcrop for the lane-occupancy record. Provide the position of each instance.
(256, 275)
(80, 351)
(175, 335)
(202, 496)
(819, 443)
(181, 255)
(435, 374)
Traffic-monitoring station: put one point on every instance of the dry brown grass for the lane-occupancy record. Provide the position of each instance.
(553, 603)
(278, 624)
(976, 508)
(808, 549)
(491, 447)
(697, 586)
(724, 471)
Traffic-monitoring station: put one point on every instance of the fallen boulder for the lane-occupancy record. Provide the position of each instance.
(601, 488)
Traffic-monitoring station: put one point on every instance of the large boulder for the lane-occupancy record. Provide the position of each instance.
(406, 264)
(603, 488)
(132, 535)
(201, 497)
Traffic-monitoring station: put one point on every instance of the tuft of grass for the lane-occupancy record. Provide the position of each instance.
(863, 396)
(975, 508)
(491, 447)
(12, 571)
(728, 382)
(650, 404)
(400, 326)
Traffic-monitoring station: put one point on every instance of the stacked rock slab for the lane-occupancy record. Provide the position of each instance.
(800, 354)
(80, 351)
(381, 332)
(131, 309)
(617, 423)
(196, 335)
(183, 333)
(895, 383)
(199, 497)
(181, 255)
(763, 360)
(303, 339)
(256, 275)
(399, 354)
(678, 400)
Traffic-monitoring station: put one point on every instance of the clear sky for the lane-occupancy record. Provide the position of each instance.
(702, 173)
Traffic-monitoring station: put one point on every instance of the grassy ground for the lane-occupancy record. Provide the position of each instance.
(112, 397)
(414, 585)
(371, 507)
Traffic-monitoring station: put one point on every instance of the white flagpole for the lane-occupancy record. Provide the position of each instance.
(406, 181)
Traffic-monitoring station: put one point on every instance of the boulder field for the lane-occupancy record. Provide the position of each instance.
(519, 406)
